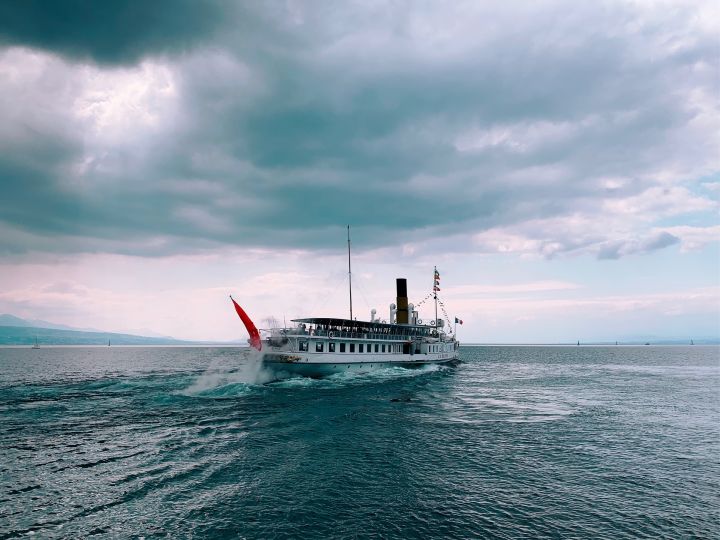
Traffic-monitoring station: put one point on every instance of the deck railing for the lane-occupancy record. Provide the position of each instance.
(342, 334)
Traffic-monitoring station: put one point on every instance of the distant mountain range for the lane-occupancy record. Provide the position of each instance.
(17, 331)
(12, 320)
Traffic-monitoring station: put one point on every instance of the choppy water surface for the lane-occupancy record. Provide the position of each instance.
(613, 442)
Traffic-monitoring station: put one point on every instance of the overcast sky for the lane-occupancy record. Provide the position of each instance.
(558, 161)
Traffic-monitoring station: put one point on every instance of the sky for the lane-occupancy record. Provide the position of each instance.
(559, 162)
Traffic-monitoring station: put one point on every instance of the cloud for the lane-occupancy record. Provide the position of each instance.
(186, 296)
(110, 32)
(614, 250)
(573, 236)
(541, 129)
(702, 300)
(531, 287)
(694, 238)
(608, 226)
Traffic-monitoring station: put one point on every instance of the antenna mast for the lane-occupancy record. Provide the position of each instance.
(435, 295)
(349, 273)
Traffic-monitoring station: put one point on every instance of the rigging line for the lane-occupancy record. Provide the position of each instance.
(330, 292)
(358, 285)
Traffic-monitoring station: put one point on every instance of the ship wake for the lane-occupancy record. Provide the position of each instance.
(223, 379)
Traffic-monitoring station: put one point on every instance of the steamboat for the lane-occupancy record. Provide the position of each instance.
(319, 346)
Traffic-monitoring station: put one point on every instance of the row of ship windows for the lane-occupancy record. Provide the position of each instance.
(362, 347)
(350, 347)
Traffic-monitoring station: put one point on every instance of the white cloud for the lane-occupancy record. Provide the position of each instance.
(530, 287)
(678, 313)
(521, 137)
(608, 226)
(117, 104)
(694, 238)
(658, 202)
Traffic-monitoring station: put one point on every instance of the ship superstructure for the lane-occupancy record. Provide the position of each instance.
(318, 346)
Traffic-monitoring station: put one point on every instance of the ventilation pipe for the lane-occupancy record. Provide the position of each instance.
(393, 310)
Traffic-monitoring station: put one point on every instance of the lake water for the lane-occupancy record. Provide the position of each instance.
(514, 442)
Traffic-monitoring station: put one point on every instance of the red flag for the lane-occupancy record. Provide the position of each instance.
(255, 340)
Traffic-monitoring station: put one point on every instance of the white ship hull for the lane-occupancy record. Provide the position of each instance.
(323, 364)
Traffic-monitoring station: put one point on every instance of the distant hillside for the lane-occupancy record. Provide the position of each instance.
(17, 331)
(11, 320)
(25, 335)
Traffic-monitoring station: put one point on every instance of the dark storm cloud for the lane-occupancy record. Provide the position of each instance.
(407, 121)
(108, 31)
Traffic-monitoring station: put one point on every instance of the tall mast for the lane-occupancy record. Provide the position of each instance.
(435, 295)
(349, 272)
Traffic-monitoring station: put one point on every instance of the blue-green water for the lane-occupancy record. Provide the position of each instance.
(515, 442)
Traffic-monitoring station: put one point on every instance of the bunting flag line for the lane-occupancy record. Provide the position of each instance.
(447, 317)
(458, 321)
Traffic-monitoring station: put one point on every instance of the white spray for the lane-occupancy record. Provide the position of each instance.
(244, 368)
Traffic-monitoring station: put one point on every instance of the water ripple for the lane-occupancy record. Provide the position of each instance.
(515, 442)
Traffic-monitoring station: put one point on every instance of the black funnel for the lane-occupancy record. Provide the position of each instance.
(402, 301)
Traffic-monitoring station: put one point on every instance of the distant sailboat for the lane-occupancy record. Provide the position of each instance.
(108, 342)
(36, 345)
(578, 343)
(692, 342)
